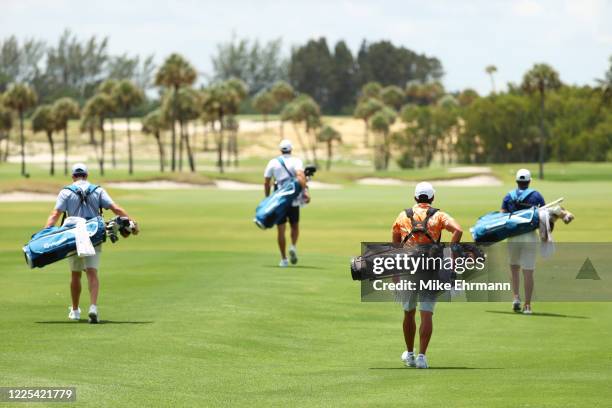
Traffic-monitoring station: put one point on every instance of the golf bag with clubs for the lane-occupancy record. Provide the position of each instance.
(52, 244)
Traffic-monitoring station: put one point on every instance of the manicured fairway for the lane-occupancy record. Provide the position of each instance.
(196, 313)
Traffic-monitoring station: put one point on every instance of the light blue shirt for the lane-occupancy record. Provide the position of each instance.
(69, 202)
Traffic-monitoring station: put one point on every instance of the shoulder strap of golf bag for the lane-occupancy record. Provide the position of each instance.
(420, 227)
(517, 198)
(282, 162)
(83, 196)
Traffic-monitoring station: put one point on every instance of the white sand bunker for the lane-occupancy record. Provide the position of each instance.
(317, 185)
(474, 181)
(25, 196)
(470, 169)
(176, 185)
(378, 181)
(154, 185)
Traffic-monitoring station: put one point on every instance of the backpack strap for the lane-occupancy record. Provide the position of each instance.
(83, 195)
(282, 162)
(518, 199)
(420, 227)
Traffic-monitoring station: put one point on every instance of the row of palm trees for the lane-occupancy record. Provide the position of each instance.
(181, 104)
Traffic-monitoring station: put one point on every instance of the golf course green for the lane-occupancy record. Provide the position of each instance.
(195, 311)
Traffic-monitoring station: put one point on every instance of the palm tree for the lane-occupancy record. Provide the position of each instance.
(153, 124)
(173, 74)
(392, 96)
(264, 103)
(20, 97)
(282, 93)
(95, 111)
(127, 96)
(329, 135)
(540, 79)
(236, 91)
(6, 124)
(65, 109)
(364, 111)
(108, 87)
(44, 121)
(381, 124)
(491, 70)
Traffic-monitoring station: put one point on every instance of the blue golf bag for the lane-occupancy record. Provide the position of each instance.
(497, 226)
(55, 243)
(274, 208)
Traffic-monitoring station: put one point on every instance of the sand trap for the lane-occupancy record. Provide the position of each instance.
(378, 181)
(474, 181)
(176, 185)
(24, 196)
(154, 185)
(470, 169)
(317, 185)
(237, 185)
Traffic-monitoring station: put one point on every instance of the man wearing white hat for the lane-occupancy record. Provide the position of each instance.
(422, 224)
(522, 248)
(85, 200)
(283, 168)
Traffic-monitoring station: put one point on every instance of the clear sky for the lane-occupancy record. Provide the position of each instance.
(573, 36)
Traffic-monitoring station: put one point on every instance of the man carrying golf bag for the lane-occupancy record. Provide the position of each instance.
(283, 169)
(85, 200)
(522, 248)
(422, 224)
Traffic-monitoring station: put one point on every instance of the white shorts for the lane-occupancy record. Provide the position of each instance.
(80, 264)
(522, 250)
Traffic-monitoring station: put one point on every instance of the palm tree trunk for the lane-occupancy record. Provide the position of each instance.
(189, 152)
(235, 148)
(542, 137)
(173, 165)
(386, 151)
(52, 147)
(130, 155)
(220, 145)
(299, 136)
(180, 149)
(366, 136)
(103, 144)
(229, 148)
(329, 153)
(113, 157)
(160, 146)
(22, 142)
(66, 150)
(205, 147)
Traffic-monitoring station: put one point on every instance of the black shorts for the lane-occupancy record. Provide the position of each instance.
(293, 216)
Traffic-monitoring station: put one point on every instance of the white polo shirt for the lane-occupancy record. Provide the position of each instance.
(277, 171)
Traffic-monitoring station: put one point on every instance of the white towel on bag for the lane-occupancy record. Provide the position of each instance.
(81, 236)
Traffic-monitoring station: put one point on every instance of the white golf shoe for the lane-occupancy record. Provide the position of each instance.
(93, 314)
(408, 359)
(74, 314)
(421, 361)
(284, 263)
(527, 310)
(516, 305)
(293, 254)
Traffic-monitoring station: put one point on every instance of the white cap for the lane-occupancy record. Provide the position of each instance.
(424, 188)
(523, 175)
(285, 146)
(79, 169)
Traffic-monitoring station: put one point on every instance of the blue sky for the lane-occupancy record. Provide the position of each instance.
(573, 36)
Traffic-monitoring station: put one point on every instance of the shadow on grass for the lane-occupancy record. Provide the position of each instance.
(437, 368)
(539, 314)
(84, 321)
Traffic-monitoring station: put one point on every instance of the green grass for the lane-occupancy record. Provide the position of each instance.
(198, 315)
